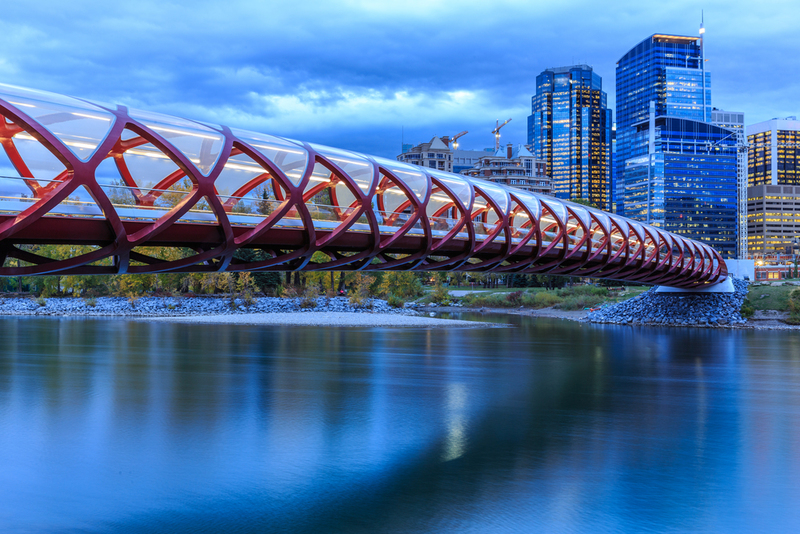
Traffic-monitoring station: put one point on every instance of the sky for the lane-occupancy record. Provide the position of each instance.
(366, 76)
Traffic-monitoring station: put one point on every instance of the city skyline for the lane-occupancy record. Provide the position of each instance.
(360, 75)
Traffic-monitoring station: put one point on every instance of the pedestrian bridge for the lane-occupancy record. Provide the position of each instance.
(91, 188)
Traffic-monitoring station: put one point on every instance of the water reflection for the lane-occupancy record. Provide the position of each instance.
(110, 425)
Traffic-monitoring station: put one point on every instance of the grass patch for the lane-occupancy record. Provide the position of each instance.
(493, 300)
(567, 298)
(583, 291)
(770, 297)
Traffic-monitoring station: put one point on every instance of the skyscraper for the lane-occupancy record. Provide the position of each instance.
(773, 195)
(734, 121)
(570, 129)
(678, 171)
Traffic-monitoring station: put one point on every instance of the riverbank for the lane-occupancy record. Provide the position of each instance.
(762, 320)
(322, 311)
(550, 312)
(189, 306)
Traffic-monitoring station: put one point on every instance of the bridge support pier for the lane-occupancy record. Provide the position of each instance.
(725, 286)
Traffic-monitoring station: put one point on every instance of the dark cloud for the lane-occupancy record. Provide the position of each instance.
(332, 71)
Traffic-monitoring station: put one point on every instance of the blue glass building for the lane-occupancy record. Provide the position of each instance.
(570, 128)
(675, 169)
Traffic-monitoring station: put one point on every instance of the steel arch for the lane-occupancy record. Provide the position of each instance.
(118, 184)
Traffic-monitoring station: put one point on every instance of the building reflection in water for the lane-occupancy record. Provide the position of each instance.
(551, 425)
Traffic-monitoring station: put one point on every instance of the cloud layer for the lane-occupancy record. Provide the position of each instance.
(364, 75)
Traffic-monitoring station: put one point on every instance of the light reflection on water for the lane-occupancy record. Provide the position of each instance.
(552, 426)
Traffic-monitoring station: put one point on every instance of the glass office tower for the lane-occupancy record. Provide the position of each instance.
(570, 129)
(773, 195)
(676, 170)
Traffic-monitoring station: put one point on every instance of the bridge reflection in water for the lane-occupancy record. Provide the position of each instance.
(139, 192)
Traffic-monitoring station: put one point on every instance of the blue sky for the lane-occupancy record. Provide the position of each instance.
(355, 74)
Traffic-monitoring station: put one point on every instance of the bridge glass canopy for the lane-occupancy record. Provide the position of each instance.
(146, 174)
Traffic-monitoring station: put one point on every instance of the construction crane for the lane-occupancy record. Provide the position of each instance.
(496, 133)
(454, 139)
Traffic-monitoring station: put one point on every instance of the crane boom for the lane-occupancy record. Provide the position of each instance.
(454, 139)
(496, 133)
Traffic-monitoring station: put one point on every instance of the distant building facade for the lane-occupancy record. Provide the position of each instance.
(435, 154)
(570, 128)
(734, 121)
(675, 169)
(514, 166)
(773, 192)
(467, 159)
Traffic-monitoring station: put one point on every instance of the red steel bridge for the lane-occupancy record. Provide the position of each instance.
(118, 190)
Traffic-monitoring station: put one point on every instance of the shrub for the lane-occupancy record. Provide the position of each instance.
(394, 301)
(290, 292)
(545, 299)
(492, 300)
(309, 298)
(360, 291)
(514, 298)
(91, 301)
(41, 301)
(248, 298)
(405, 284)
(441, 295)
(794, 301)
(748, 310)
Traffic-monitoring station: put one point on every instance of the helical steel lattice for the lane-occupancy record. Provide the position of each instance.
(125, 191)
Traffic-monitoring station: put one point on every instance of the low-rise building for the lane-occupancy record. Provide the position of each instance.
(776, 267)
(513, 166)
(435, 154)
(467, 159)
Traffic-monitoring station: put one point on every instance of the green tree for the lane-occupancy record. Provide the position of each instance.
(404, 284)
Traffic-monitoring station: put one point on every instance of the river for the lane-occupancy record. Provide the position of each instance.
(547, 426)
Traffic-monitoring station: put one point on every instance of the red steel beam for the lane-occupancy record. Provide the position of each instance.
(360, 212)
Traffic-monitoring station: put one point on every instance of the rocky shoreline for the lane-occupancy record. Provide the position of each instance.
(648, 309)
(188, 306)
(678, 309)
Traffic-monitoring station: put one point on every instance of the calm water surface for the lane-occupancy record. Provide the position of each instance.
(550, 426)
